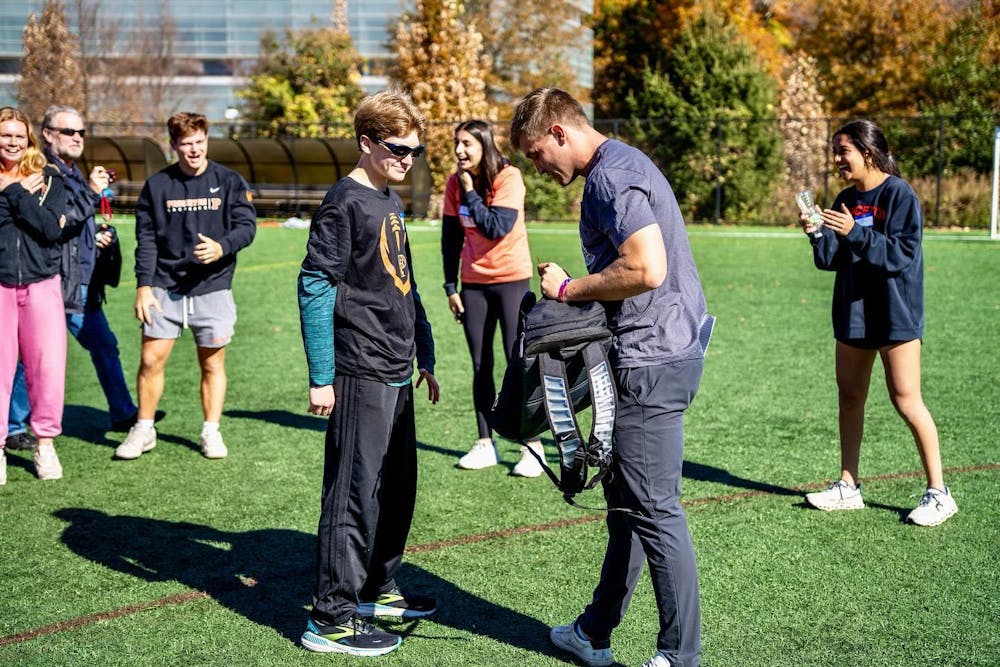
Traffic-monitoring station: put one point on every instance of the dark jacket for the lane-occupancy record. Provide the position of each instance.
(173, 209)
(30, 234)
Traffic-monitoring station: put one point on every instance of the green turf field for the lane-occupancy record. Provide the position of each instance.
(177, 560)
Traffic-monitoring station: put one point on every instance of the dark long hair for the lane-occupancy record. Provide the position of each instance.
(868, 138)
(493, 160)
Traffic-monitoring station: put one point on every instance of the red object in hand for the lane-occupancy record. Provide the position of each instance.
(106, 205)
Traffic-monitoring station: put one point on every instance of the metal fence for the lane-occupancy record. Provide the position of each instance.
(947, 159)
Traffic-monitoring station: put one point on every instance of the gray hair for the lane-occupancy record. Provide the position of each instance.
(55, 109)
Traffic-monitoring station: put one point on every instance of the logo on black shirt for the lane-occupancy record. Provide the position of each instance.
(392, 247)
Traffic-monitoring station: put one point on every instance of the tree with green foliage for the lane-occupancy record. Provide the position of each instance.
(963, 84)
(704, 111)
(51, 58)
(440, 60)
(305, 85)
(623, 29)
(633, 35)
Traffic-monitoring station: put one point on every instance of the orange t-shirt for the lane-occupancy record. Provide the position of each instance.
(486, 260)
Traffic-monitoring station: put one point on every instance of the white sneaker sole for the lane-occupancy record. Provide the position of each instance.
(317, 644)
(835, 505)
(941, 519)
(130, 455)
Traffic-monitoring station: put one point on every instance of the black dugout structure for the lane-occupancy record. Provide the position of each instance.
(288, 175)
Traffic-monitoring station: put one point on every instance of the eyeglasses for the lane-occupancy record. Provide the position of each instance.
(401, 151)
(68, 131)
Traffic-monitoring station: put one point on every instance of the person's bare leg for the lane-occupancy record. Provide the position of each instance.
(902, 377)
(150, 380)
(213, 381)
(854, 372)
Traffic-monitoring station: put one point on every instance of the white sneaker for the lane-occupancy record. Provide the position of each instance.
(482, 455)
(657, 661)
(3, 467)
(47, 464)
(138, 441)
(568, 638)
(934, 508)
(212, 446)
(529, 466)
(838, 496)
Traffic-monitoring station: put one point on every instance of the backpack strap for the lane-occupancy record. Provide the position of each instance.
(604, 403)
(576, 454)
(562, 421)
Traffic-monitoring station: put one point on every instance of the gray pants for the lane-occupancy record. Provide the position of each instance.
(648, 456)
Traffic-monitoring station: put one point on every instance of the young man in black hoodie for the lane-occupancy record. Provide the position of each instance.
(191, 220)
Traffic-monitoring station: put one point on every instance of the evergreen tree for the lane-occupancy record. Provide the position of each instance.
(50, 68)
(705, 106)
(963, 84)
(440, 61)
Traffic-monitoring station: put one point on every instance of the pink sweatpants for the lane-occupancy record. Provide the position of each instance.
(33, 325)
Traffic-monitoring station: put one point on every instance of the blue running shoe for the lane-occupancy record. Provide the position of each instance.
(354, 636)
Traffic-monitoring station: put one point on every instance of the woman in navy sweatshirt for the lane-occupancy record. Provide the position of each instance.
(871, 238)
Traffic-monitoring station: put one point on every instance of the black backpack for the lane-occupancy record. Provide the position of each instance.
(559, 366)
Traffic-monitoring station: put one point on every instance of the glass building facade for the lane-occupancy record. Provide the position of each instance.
(218, 40)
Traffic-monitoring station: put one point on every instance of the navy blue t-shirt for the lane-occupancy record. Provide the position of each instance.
(625, 192)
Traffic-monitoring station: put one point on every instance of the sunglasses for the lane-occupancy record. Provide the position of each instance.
(401, 151)
(68, 131)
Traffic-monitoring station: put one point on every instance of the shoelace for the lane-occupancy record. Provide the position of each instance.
(361, 626)
(928, 497)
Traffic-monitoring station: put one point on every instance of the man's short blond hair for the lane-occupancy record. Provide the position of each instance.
(540, 109)
(388, 113)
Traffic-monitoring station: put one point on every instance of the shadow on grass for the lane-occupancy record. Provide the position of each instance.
(267, 575)
(282, 418)
(89, 424)
(309, 422)
(707, 473)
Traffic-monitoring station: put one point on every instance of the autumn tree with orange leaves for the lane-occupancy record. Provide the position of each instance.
(440, 60)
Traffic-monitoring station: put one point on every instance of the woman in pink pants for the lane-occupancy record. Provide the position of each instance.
(32, 323)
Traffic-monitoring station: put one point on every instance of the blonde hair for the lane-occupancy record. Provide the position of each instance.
(389, 113)
(33, 160)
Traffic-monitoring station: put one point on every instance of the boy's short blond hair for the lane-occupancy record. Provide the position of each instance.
(388, 113)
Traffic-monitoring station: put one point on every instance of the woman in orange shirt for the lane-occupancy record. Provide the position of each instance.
(483, 230)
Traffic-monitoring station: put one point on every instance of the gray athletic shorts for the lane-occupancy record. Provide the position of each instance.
(211, 317)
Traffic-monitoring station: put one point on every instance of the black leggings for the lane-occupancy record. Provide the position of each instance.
(485, 305)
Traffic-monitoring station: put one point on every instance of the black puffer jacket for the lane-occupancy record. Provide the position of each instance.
(30, 234)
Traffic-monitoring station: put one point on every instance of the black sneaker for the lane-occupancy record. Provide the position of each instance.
(123, 425)
(22, 440)
(354, 636)
(393, 604)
